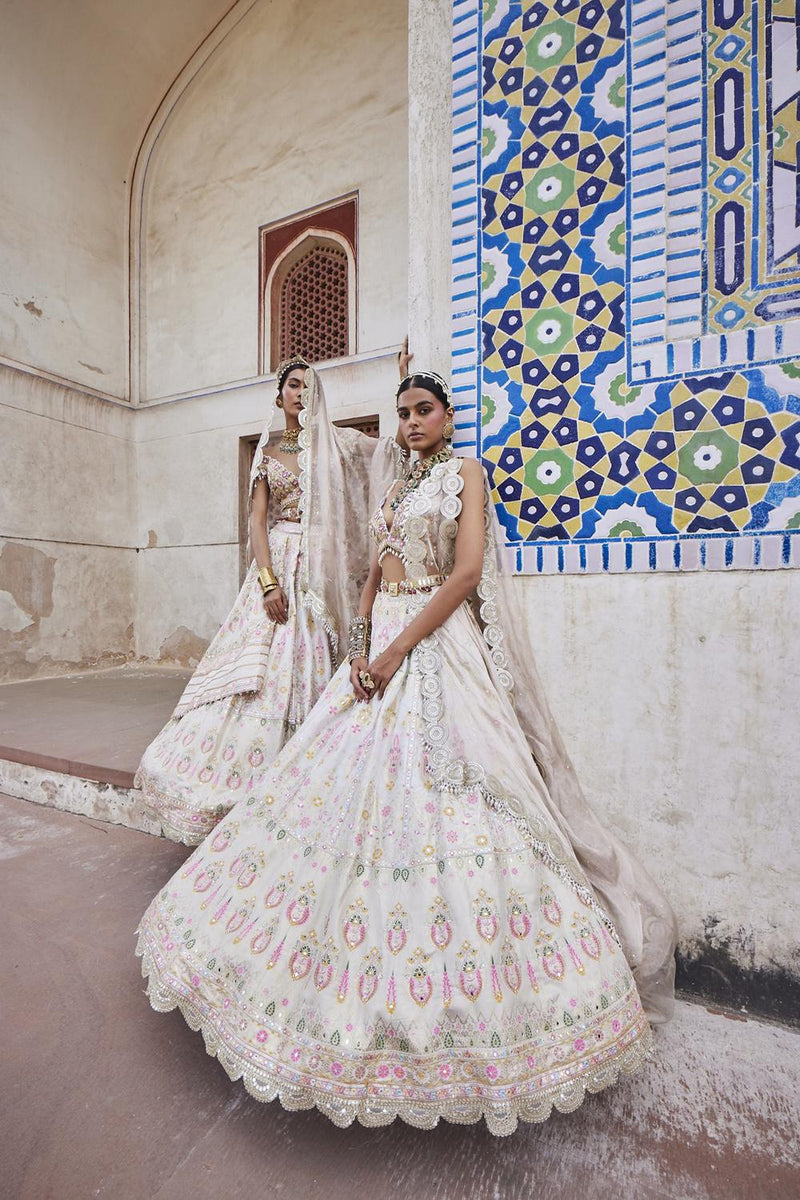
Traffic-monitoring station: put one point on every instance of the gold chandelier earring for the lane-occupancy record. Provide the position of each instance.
(279, 401)
(448, 429)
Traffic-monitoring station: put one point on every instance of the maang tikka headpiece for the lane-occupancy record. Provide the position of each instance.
(288, 365)
(443, 384)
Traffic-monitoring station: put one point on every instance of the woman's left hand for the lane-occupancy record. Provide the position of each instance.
(404, 358)
(382, 669)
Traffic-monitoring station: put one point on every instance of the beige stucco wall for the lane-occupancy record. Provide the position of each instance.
(123, 526)
(67, 524)
(78, 85)
(677, 696)
(299, 105)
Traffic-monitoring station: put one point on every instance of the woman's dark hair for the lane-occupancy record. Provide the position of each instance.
(430, 383)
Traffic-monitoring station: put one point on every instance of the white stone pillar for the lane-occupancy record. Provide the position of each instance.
(429, 140)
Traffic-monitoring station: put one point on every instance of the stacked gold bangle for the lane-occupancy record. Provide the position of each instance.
(267, 580)
(359, 637)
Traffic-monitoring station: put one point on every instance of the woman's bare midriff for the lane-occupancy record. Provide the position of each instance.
(392, 569)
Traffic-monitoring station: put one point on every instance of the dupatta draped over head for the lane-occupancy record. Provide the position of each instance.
(343, 474)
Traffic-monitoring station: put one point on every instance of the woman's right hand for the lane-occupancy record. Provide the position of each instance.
(277, 605)
(356, 665)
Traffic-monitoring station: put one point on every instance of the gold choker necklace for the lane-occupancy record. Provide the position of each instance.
(289, 443)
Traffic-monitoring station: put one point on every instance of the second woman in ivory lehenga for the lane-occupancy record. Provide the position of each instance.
(417, 915)
(276, 650)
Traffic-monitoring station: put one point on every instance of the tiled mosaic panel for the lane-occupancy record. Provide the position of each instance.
(577, 453)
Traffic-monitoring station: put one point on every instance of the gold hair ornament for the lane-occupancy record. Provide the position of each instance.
(288, 364)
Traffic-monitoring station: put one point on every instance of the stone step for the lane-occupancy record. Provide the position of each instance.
(73, 742)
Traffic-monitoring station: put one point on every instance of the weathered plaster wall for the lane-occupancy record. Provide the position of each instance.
(67, 520)
(78, 84)
(677, 697)
(83, 578)
(119, 529)
(300, 104)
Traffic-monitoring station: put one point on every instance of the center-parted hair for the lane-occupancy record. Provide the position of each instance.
(430, 381)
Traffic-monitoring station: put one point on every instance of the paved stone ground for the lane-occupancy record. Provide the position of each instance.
(100, 1096)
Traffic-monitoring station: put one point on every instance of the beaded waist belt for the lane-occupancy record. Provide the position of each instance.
(406, 587)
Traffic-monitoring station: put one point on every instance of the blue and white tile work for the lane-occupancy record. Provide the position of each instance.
(626, 278)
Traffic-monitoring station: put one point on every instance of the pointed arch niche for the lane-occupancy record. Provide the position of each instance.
(308, 285)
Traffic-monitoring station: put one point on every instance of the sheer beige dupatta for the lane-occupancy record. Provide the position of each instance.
(639, 910)
(344, 476)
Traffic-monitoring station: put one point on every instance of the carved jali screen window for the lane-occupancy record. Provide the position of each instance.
(314, 306)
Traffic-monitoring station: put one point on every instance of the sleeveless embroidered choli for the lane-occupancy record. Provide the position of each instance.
(423, 533)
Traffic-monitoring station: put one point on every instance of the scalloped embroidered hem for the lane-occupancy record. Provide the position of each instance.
(165, 808)
(501, 1119)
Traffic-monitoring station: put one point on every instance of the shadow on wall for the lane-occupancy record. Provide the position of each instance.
(707, 969)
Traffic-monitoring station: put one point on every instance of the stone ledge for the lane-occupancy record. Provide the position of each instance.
(69, 793)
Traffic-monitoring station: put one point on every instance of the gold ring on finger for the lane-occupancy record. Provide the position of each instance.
(367, 681)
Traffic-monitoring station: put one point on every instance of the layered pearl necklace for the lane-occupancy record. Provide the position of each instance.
(421, 470)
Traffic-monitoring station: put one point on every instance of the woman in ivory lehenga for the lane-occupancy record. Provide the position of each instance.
(417, 915)
(279, 645)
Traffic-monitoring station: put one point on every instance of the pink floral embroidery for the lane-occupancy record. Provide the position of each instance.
(262, 1035)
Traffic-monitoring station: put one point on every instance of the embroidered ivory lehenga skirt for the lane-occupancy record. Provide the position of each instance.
(215, 753)
(365, 936)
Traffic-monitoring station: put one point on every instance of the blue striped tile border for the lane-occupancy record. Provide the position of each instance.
(465, 258)
(692, 552)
